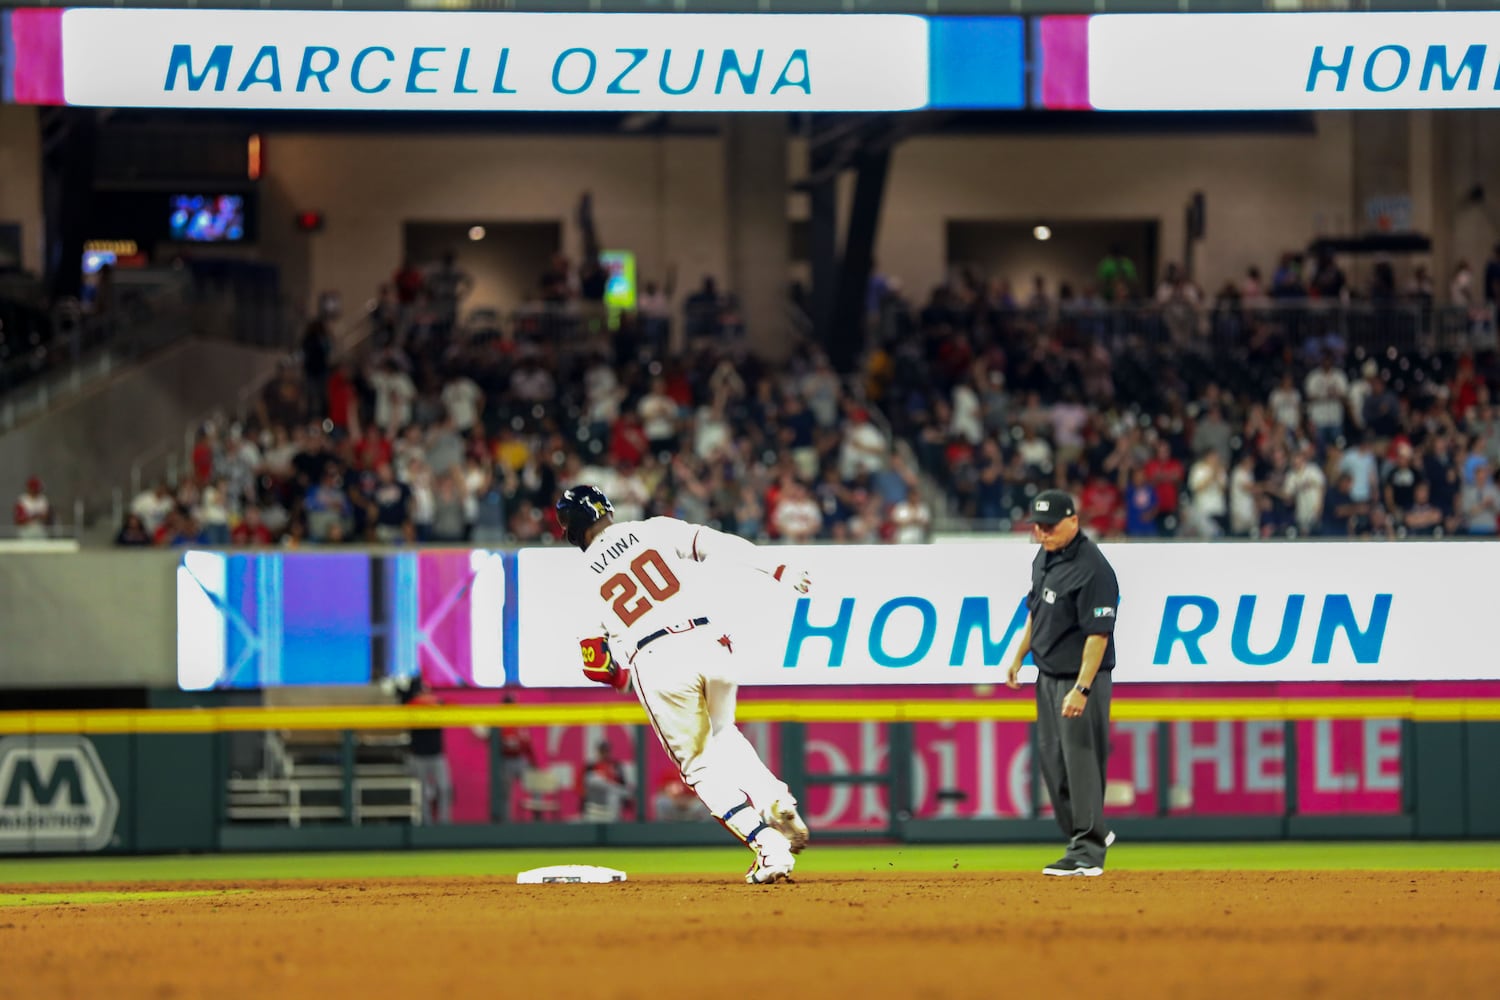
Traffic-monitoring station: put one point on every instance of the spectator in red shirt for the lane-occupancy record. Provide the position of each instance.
(1165, 473)
(342, 398)
(33, 511)
(251, 530)
(203, 456)
(409, 282)
(1464, 392)
(627, 441)
(1099, 508)
(372, 450)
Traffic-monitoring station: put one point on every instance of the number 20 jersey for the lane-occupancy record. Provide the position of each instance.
(663, 573)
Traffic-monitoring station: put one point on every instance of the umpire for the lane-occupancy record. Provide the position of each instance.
(1070, 632)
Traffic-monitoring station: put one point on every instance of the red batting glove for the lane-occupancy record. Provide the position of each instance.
(798, 579)
(599, 666)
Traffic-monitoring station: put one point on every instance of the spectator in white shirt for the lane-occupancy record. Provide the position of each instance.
(712, 433)
(423, 502)
(910, 520)
(1360, 390)
(1069, 418)
(602, 394)
(212, 512)
(1326, 389)
(658, 412)
(1209, 485)
(1306, 487)
(533, 383)
(152, 505)
(967, 421)
(797, 517)
(1244, 499)
(1286, 404)
(1035, 453)
(394, 395)
(463, 400)
(863, 451)
(238, 466)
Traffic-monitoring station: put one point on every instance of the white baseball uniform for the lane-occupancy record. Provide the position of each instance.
(661, 583)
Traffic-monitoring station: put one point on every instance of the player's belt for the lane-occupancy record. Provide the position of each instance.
(647, 640)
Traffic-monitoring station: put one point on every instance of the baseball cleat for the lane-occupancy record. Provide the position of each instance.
(1072, 866)
(773, 858)
(784, 818)
(765, 872)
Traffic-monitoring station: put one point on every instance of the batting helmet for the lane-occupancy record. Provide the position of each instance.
(579, 508)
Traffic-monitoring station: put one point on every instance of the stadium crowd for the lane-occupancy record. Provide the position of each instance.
(1261, 414)
(1171, 418)
(445, 435)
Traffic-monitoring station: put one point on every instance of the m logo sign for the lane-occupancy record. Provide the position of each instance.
(54, 795)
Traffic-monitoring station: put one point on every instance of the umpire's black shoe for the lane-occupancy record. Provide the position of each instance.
(1072, 866)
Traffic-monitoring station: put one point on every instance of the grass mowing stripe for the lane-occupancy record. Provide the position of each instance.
(1258, 856)
(84, 898)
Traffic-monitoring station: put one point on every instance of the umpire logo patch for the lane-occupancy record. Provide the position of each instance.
(1104, 612)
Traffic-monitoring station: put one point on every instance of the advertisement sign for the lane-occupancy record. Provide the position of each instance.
(270, 619)
(508, 61)
(983, 770)
(1189, 613)
(54, 795)
(1228, 62)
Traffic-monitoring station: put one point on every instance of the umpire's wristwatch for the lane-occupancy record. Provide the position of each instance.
(1082, 690)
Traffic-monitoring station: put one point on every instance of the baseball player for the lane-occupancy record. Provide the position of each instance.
(658, 633)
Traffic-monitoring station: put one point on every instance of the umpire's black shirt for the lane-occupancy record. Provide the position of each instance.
(1074, 595)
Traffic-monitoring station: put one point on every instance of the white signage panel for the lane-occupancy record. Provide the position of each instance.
(1189, 613)
(438, 61)
(1217, 62)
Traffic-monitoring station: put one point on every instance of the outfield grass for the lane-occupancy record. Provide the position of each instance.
(1468, 855)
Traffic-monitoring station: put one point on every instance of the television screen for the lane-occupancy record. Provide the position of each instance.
(216, 218)
(619, 290)
(273, 619)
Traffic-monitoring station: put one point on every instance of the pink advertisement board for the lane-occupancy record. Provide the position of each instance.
(982, 770)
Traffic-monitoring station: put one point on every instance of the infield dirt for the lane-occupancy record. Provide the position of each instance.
(1268, 935)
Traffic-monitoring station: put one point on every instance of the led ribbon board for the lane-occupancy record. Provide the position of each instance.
(436, 61)
(1267, 62)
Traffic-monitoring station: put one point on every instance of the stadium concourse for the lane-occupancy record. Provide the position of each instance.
(1290, 408)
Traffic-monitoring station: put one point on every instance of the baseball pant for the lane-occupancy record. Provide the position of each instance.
(685, 681)
(1073, 755)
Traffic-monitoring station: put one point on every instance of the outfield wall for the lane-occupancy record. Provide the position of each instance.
(1264, 690)
(1258, 773)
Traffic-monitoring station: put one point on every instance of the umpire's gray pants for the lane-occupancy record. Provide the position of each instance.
(1073, 754)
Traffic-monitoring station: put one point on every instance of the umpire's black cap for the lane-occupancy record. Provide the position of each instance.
(1051, 506)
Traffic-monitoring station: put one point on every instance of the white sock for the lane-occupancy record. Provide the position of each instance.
(745, 823)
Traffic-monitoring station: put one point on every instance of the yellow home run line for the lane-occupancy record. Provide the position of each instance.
(1014, 709)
